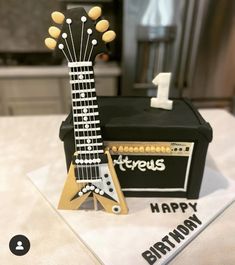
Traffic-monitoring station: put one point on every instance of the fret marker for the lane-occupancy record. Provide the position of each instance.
(80, 77)
(88, 141)
(82, 95)
(89, 148)
(85, 118)
(83, 19)
(64, 35)
(86, 126)
(84, 110)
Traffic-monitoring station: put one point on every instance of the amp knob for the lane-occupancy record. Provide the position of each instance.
(136, 149)
(131, 149)
(126, 148)
(114, 148)
(120, 149)
(152, 148)
(168, 150)
(158, 149)
(147, 149)
(141, 149)
(163, 149)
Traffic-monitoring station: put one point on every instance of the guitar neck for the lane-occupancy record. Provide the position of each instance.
(80, 40)
(87, 131)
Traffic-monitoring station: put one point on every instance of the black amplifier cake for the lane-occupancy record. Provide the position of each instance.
(156, 152)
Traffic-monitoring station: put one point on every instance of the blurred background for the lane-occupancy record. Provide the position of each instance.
(193, 39)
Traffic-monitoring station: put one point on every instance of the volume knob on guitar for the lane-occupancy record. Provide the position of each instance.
(79, 41)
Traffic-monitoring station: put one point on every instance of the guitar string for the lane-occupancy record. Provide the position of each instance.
(77, 139)
(86, 132)
(80, 130)
(89, 57)
(78, 97)
(79, 103)
(89, 94)
(75, 119)
(71, 85)
(68, 47)
(96, 140)
(71, 35)
(65, 55)
(80, 55)
(81, 40)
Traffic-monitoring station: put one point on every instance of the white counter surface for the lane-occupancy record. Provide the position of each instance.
(27, 143)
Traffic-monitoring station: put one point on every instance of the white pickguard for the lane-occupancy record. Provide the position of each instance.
(106, 178)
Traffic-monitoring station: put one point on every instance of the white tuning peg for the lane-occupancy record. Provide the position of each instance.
(162, 101)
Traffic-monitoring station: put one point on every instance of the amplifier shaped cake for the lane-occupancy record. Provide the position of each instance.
(156, 152)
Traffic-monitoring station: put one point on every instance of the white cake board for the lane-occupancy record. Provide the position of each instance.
(122, 239)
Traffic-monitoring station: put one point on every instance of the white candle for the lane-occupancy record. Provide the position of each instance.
(162, 101)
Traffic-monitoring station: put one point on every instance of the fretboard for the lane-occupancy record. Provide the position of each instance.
(87, 132)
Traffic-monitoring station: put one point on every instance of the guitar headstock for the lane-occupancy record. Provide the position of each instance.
(81, 36)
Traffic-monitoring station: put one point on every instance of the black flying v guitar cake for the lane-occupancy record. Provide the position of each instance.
(79, 39)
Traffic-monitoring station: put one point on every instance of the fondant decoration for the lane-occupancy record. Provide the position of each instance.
(152, 222)
(109, 36)
(54, 32)
(50, 43)
(95, 12)
(139, 138)
(91, 171)
(57, 17)
(102, 25)
(162, 101)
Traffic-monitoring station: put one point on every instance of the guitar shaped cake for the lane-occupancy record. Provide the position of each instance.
(79, 39)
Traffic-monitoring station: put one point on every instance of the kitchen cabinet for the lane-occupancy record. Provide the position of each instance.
(46, 90)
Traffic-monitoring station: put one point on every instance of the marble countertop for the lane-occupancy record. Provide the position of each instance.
(27, 143)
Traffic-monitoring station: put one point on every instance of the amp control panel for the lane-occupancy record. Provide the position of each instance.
(149, 148)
